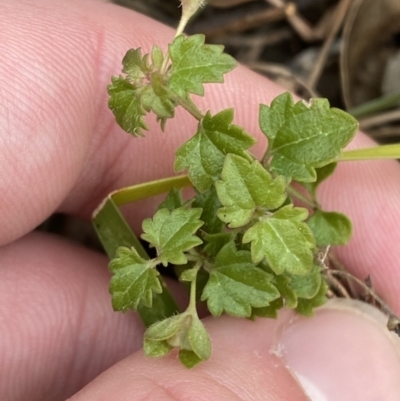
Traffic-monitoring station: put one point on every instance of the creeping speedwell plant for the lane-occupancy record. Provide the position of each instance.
(241, 244)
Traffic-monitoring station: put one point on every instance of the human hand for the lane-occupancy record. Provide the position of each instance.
(61, 150)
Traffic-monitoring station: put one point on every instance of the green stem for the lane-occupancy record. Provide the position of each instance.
(192, 302)
(149, 189)
(294, 192)
(376, 105)
(164, 66)
(377, 152)
(187, 104)
(265, 158)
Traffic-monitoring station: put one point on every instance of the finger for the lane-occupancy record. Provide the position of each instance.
(240, 369)
(254, 360)
(60, 133)
(58, 330)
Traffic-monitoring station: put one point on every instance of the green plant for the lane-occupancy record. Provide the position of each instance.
(240, 245)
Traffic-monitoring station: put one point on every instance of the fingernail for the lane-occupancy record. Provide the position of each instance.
(343, 353)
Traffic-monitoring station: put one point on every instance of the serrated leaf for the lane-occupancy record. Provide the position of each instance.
(330, 228)
(270, 311)
(195, 63)
(273, 117)
(284, 240)
(133, 281)
(154, 98)
(306, 306)
(209, 202)
(215, 242)
(203, 155)
(303, 137)
(172, 233)
(172, 201)
(244, 187)
(236, 285)
(307, 285)
(136, 66)
(125, 103)
(283, 284)
(147, 91)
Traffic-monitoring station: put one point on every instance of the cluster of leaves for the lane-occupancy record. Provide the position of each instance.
(241, 244)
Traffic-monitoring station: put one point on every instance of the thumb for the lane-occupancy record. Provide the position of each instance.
(343, 353)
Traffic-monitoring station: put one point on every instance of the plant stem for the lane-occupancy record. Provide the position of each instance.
(192, 302)
(376, 105)
(187, 104)
(148, 189)
(391, 151)
(294, 192)
(265, 158)
(164, 65)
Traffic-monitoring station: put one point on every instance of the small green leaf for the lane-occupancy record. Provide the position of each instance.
(203, 155)
(184, 331)
(154, 98)
(199, 340)
(133, 280)
(244, 187)
(172, 233)
(189, 275)
(195, 63)
(157, 57)
(156, 349)
(273, 117)
(308, 285)
(236, 285)
(270, 311)
(189, 358)
(135, 66)
(125, 103)
(283, 284)
(304, 136)
(172, 201)
(215, 242)
(209, 202)
(306, 306)
(167, 328)
(330, 228)
(284, 240)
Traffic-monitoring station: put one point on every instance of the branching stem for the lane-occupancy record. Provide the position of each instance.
(187, 104)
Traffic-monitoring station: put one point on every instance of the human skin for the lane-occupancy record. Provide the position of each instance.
(61, 150)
